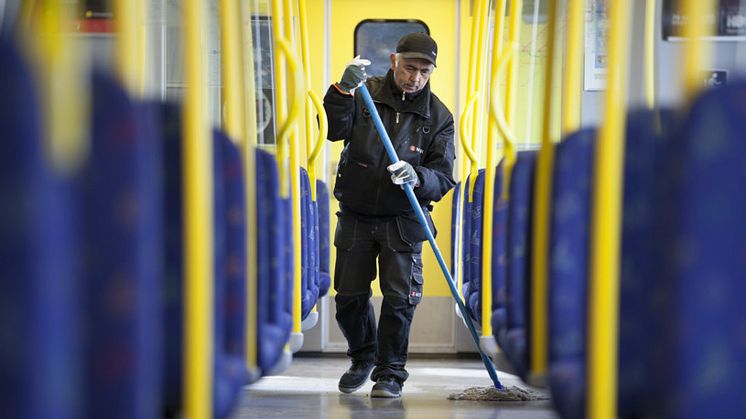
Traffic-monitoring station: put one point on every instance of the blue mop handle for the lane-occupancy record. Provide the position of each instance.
(423, 222)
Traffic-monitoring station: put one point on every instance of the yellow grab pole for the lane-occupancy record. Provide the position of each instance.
(128, 58)
(232, 70)
(289, 36)
(514, 35)
(476, 119)
(280, 92)
(58, 69)
(320, 139)
(603, 312)
(249, 143)
(543, 180)
(573, 76)
(650, 37)
(489, 175)
(198, 215)
(696, 52)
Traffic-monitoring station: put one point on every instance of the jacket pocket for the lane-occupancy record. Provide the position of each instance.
(410, 230)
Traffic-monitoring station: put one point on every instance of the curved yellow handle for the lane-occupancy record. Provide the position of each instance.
(323, 127)
(498, 112)
(463, 127)
(496, 107)
(297, 96)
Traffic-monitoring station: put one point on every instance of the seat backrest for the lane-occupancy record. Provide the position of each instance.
(121, 256)
(322, 199)
(701, 237)
(40, 362)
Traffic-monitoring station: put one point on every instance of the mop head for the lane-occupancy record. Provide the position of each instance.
(508, 394)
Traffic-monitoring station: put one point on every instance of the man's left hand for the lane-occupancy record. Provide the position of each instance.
(403, 172)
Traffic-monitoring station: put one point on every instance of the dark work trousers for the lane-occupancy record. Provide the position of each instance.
(359, 242)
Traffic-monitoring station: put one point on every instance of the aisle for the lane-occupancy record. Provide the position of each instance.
(308, 389)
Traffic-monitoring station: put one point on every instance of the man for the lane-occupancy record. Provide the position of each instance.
(375, 220)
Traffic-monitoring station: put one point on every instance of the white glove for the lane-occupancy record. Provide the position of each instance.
(403, 172)
(354, 74)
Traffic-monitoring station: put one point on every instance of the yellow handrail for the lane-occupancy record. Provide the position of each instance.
(476, 120)
(289, 123)
(232, 70)
(543, 179)
(650, 53)
(573, 76)
(696, 53)
(464, 126)
(58, 70)
(252, 256)
(514, 34)
(489, 171)
(127, 52)
(302, 20)
(284, 122)
(603, 312)
(320, 139)
(198, 215)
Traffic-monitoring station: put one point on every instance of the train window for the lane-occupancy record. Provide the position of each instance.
(261, 32)
(375, 40)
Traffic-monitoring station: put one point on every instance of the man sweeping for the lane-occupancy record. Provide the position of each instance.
(375, 220)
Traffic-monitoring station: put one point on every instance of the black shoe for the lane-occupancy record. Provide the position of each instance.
(356, 376)
(386, 387)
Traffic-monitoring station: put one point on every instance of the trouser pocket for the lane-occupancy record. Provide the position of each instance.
(416, 280)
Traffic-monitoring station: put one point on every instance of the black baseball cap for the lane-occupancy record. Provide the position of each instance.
(418, 45)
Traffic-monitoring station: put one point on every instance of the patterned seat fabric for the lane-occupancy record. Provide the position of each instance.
(273, 288)
(309, 247)
(702, 238)
(455, 231)
(520, 208)
(499, 262)
(322, 200)
(229, 372)
(568, 271)
(642, 293)
(121, 225)
(473, 282)
(39, 359)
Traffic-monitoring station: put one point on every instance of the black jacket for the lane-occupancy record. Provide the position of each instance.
(421, 130)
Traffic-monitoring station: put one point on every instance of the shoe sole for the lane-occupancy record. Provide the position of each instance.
(384, 394)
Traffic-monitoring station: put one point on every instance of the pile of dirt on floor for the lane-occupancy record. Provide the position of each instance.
(508, 394)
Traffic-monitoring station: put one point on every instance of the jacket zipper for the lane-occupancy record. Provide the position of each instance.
(397, 117)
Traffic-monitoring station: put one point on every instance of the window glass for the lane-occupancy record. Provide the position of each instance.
(375, 40)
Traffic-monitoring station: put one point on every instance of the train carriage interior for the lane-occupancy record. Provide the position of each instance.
(170, 227)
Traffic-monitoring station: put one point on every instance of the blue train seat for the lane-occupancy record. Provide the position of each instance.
(122, 225)
(520, 210)
(322, 200)
(702, 259)
(274, 318)
(641, 292)
(229, 373)
(472, 285)
(39, 362)
(466, 242)
(235, 242)
(455, 231)
(568, 270)
(499, 260)
(309, 247)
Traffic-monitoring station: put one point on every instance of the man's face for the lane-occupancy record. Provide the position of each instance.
(411, 74)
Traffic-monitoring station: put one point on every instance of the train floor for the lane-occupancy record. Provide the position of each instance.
(308, 389)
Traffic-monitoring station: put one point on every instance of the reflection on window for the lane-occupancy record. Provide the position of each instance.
(261, 31)
(375, 40)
